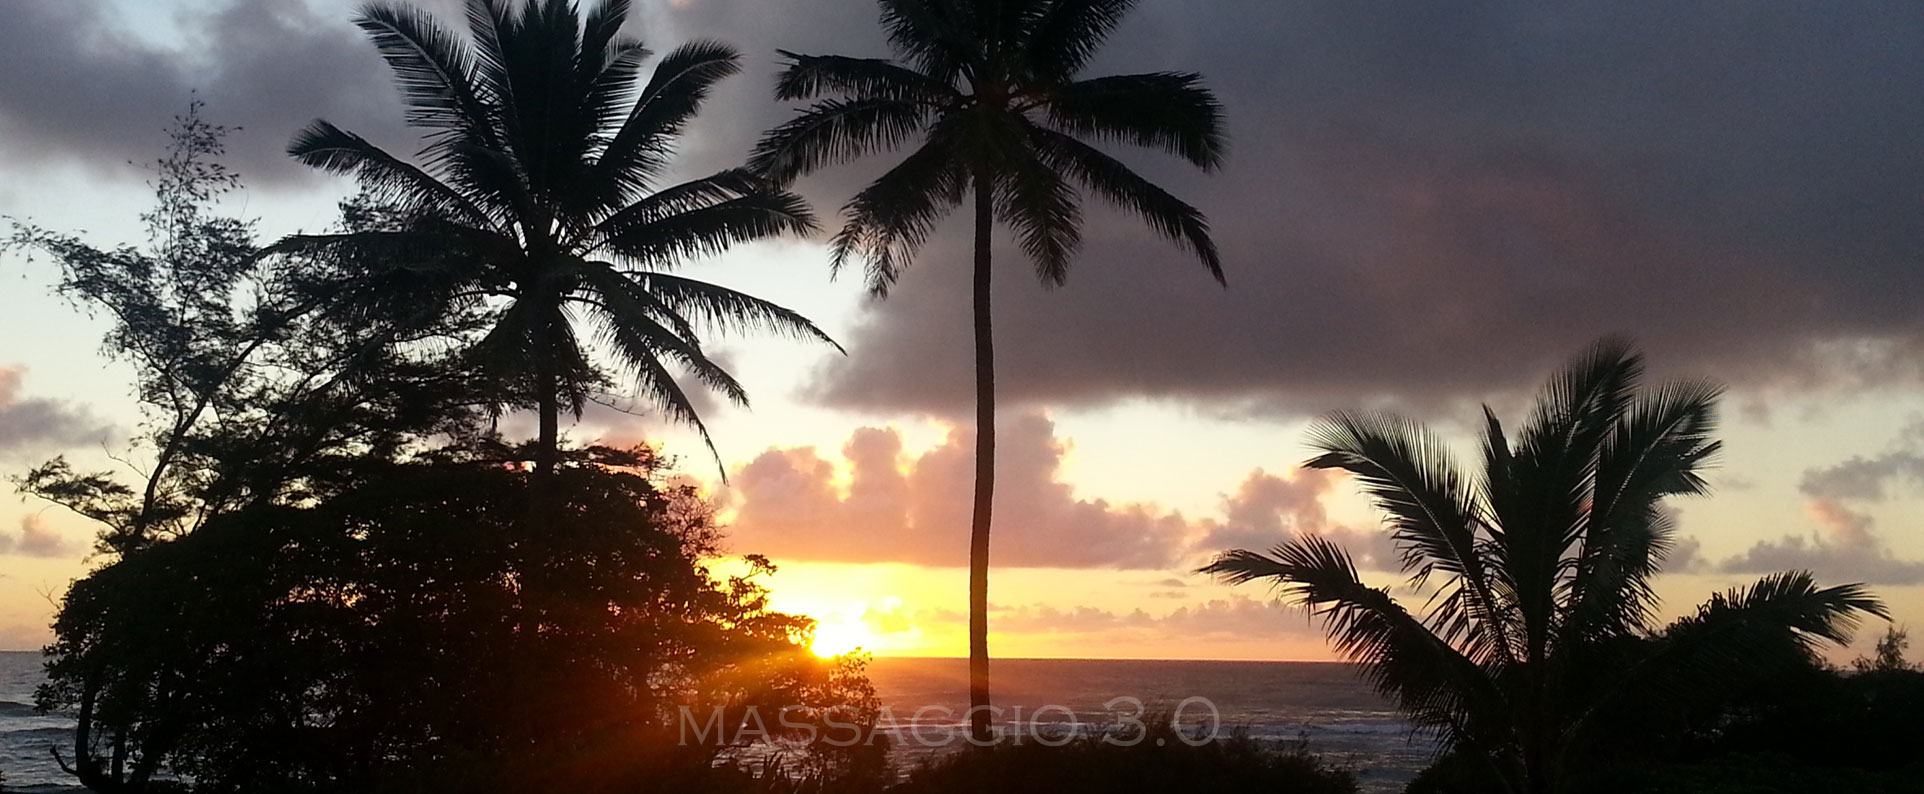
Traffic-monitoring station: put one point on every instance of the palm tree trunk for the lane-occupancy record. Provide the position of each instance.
(979, 727)
(547, 444)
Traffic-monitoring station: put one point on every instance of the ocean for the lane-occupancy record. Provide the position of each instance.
(1282, 702)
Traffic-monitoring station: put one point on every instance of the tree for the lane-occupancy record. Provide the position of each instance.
(1538, 653)
(370, 638)
(241, 382)
(538, 200)
(993, 88)
(1888, 656)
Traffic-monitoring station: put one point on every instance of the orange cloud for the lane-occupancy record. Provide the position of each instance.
(914, 509)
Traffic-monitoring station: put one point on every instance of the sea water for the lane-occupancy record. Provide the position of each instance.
(1281, 703)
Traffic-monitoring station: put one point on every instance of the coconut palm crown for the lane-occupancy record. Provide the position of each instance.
(1538, 650)
(540, 200)
(990, 93)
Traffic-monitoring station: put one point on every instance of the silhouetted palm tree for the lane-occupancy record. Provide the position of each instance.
(993, 89)
(1538, 644)
(538, 199)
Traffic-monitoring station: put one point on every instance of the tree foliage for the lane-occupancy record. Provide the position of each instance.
(407, 629)
(245, 385)
(1538, 654)
(541, 203)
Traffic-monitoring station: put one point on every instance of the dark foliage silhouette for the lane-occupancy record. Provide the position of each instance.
(540, 201)
(1538, 658)
(376, 636)
(994, 90)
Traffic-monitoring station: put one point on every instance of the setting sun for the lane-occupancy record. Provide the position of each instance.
(841, 636)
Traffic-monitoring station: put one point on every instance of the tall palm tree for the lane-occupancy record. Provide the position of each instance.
(1539, 644)
(994, 91)
(539, 200)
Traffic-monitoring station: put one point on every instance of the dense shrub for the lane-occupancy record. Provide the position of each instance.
(1160, 762)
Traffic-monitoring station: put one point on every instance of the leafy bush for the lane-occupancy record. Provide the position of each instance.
(1160, 762)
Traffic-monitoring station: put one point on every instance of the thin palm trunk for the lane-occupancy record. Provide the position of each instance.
(979, 727)
(549, 406)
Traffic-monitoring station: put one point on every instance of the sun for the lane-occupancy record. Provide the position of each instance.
(842, 636)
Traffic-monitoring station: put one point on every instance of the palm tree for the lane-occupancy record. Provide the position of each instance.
(1538, 648)
(993, 89)
(538, 201)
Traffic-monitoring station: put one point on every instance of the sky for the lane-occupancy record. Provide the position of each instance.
(1426, 207)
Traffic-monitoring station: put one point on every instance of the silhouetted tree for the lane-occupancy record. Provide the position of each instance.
(994, 90)
(1538, 652)
(539, 200)
(375, 637)
(240, 380)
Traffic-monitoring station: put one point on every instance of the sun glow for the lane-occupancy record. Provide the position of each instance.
(843, 635)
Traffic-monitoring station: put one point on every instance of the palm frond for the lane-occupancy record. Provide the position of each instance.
(810, 76)
(938, 36)
(890, 219)
(325, 146)
(1109, 178)
(1431, 681)
(675, 92)
(1408, 474)
(835, 131)
(1654, 450)
(1045, 212)
(704, 231)
(1167, 111)
(1068, 32)
(729, 310)
(435, 70)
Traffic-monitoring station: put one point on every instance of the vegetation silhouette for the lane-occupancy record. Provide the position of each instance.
(540, 199)
(323, 578)
(995, 91)
(375, 637)
(1537, 658)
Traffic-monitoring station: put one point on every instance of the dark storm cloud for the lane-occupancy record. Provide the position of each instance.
(82, 89)
(1424, 202)
(1433, 201)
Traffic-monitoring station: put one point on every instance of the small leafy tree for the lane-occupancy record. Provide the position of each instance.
(241, 382)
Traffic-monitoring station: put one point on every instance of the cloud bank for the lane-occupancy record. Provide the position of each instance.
(894, 507)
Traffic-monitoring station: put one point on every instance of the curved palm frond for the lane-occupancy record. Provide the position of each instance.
(329, 148)
(835, 130)
(1429, 679)
(703, 231)
(1408, 474)
(1167, 111)
(1655, 450)
(726, 309)
(809, 76)
(1109, 178)
(434, 69)
(1067, 33)
(890, 219)
(1045, 212)
(938, 36)
(639, 149)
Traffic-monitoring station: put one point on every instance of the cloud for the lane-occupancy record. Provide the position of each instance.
(1237, 617)
(893, 507)
(84, 88)
(1423, 207)
(1847, 546)
(32, 423)
(35, 539)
